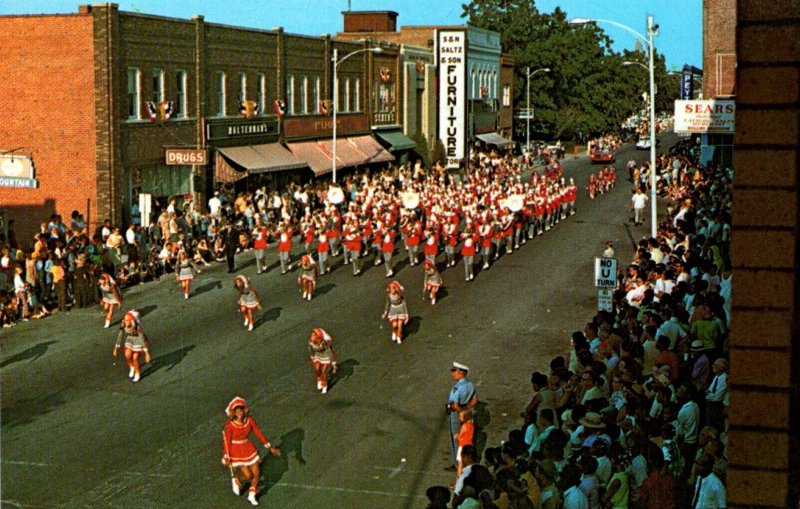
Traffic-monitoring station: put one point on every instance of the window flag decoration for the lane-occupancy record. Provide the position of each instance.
(280, 107)
(249, 109)
(160, 112)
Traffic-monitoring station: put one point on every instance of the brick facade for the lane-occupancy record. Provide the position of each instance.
(719, 48)
(48, 109)
(764, 416)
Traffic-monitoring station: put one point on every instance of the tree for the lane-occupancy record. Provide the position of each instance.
(438, 154)
(422, 149)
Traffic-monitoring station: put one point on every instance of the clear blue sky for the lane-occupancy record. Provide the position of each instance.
(680, 39)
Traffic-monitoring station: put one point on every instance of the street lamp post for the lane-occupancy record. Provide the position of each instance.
(336, 63)
(528, 73)
(652, 30)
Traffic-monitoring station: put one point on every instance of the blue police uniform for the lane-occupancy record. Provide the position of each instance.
(462, 393)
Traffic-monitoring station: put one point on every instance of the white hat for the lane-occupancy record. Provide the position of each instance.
(459, 366)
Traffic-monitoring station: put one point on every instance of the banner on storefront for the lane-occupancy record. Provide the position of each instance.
(705, 116)
(451, 58)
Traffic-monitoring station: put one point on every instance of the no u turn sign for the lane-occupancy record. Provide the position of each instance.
(605, 273)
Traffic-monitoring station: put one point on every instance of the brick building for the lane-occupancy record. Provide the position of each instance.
(486, 78)
(719, 71)
(764, 440)
(93, 120)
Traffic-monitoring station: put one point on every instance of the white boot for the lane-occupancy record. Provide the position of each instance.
(251, 497)
(107, 325)
(319, 385)
(236, 487)
(136, 377)
(324, 389)
(131, 373)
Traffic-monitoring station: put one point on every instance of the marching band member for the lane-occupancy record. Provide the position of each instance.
(413, 240)
(396, 310)
(468, 253)
(353, 244)
(387, 250)
(111, 298)
(308, 276)
(285, 246)
(320, 349)
(185, 271)
(333, 230)
(259, 235)
(308, 232)
(323, 248)
(450, 233)
(132, 337)
(485, 232)
(248, 300)
(432, 281)
(431, 247)
(238, 452)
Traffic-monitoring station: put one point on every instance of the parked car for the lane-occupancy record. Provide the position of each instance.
(643, 143)
(556, 150)
(603, 155)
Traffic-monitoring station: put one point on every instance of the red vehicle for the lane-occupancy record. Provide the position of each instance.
(603, 155)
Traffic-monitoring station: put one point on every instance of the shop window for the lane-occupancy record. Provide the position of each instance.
(134, 93)
(181, 106)
(506, 95)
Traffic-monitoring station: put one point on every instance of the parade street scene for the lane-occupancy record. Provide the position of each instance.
(471, 256)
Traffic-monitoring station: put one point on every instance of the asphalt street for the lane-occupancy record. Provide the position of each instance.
(76, 433)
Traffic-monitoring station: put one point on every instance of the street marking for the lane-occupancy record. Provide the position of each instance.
(396, 470)
(26, 463)
(392, 469)
(346, 490)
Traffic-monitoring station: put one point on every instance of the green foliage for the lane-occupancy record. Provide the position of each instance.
(438, 154)
(588, 89)
(422, 149)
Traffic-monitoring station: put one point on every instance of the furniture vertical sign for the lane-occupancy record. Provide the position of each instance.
(451, 50)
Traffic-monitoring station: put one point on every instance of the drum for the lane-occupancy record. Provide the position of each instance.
(335, 195)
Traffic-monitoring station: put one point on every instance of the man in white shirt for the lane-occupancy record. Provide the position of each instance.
(214, 205)
(717, 395)
(688, 422)
(708, 492)
(574, 497)
(638, 204)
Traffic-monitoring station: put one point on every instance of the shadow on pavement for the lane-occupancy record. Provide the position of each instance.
(32, 354)
(345, 370)
(168, 360)
(412, 327)
(207, 287)
(322, 290)
(270, 315)
(146, 310)
(273, 467)
(25, 411)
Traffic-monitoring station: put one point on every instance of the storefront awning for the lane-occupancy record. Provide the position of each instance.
(397, 140)
(494, 139)
(372, 150)
(353, 151)
(263, 158)
(312, 154)
(224, 172)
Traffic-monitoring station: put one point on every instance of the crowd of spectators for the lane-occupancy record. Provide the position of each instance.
(635, 414)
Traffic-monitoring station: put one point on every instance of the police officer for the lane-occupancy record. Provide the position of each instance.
(462, 396)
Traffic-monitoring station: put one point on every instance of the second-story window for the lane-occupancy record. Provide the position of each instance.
(262, 93)
(506, 95)
(242, 87)
(317, 95)
(221, 94)
(134, 93)
(304, 95)
(357, 95)
(181, 105)
(158, 85)
(290, 94)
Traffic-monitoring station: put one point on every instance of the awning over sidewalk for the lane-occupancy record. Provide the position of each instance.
(371, 149)
(352, 151)
(224, 172)
(264, 158)
(397, 140)
(494, 139)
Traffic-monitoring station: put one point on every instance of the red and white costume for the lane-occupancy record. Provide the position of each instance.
(237, 447)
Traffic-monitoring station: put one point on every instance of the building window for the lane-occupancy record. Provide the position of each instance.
(506, 95)
(304, 95)
(262, 93)
(181, 105)
(242, 87)
(290, 94)
(134, 93)
(357, 95)
(474, 83)
(346, 103)
(221, 94)
(317, 95)
(158, 85)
